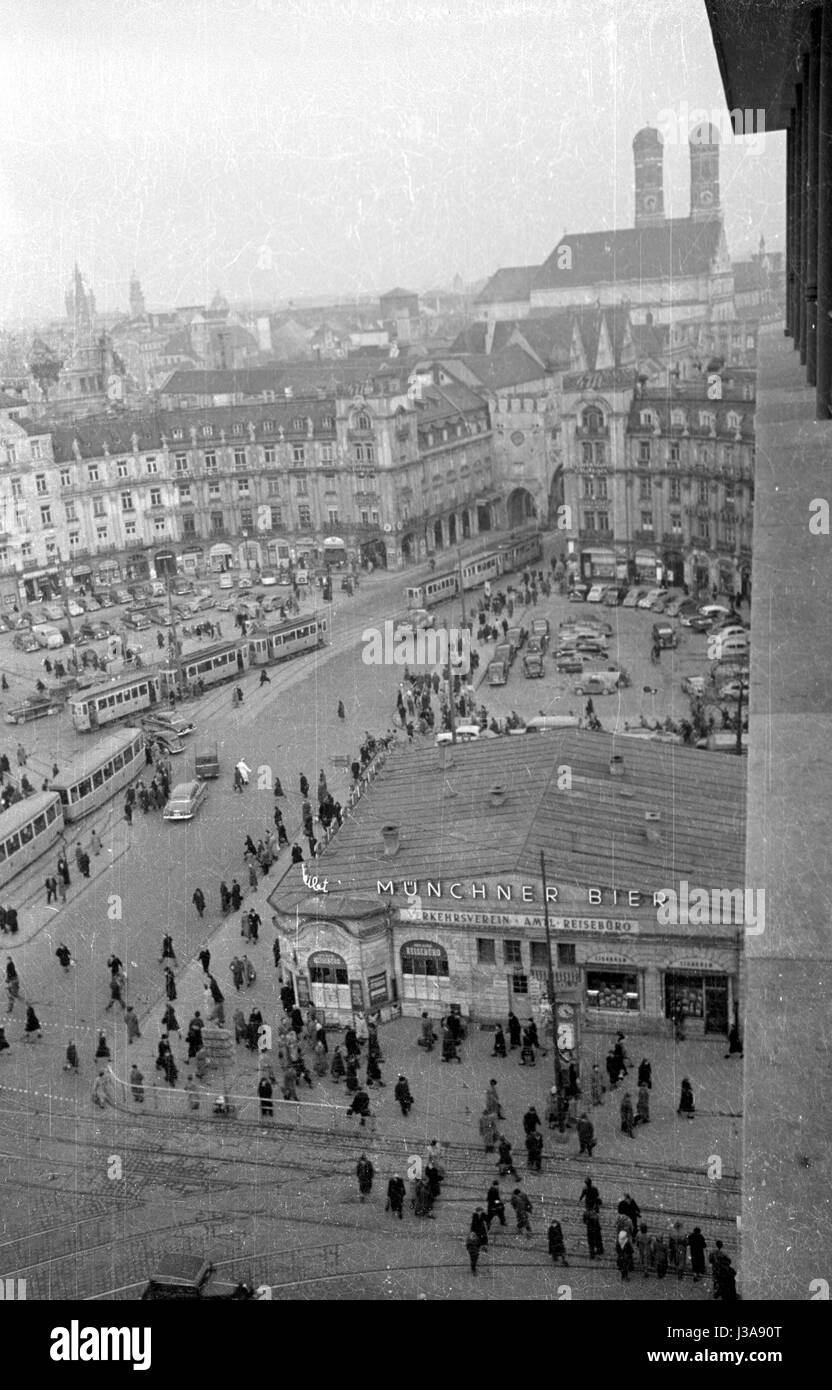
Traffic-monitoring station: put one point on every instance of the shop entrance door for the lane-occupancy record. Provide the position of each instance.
(716, 1005)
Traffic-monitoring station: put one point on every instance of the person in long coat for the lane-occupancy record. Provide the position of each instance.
(515, 1032)
(170, 984)
(627, 1116)
(624, 1255)
(131, 1019)
(396, 1193)
(499, 1042)
(264, 1091)
(422, 1200)
(697, 1245)
(556, 1243)
(645, 1074)
(32, 1028)
(365, 1172)
(596, 1086)
(686, 1105)
(643, 1106)
(337, 1069)
(488, 1130)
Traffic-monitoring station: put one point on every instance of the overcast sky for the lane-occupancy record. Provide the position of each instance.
(306, 147)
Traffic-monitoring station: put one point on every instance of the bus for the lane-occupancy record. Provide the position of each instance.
(214, 664)
(94, 776)
(276, 641)
(27, 830)
(121, 699)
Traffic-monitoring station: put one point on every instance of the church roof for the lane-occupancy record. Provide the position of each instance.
(509, 284)
(678, 247)
(510, 367)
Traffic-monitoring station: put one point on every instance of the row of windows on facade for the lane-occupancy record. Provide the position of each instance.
(362, 453)
(596, 453)
(600, 521)
(218, 522)
(593, 420)
(415, 962)
(596, 487)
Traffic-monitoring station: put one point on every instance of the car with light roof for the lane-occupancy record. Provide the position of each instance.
(648, 599)
(185, 800)
(632, 598)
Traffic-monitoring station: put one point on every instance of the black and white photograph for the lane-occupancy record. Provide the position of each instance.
(415, 446)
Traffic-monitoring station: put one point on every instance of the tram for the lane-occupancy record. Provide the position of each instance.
(218, 663)
(508, 557)
(27, 830)
(276, 641)
(97, 774)
(106, 704)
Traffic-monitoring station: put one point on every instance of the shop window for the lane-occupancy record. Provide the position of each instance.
(486, 951)
(566, 953)
(418, 963)
(612, 989)
(519, 984)
(513, 952)
(328, 975)
(540, 955)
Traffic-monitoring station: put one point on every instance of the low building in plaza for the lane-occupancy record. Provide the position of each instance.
(431, 894)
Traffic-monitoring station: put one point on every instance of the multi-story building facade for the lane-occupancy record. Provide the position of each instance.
(374, 475)
(660, 477)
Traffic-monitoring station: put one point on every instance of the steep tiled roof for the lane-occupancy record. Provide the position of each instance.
(651, 339)
(675, 248)
(549, 335)
(511, 283)
(471, 339)
(593, 834)
(510, 367)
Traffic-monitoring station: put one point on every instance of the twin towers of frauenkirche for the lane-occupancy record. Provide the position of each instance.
(648, 152)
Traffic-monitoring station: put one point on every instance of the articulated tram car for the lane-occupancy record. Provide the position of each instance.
(27, 829)
(93, 777)
(276, 641)
(507, 558)
(218, 663)
(106, 704)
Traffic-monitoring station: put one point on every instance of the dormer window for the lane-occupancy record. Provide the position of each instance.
(593, 420)
(647, 418)
(207, 430)
(678, 419)
(733, 420)
(177, 433)
(237, 428)
(363, 421)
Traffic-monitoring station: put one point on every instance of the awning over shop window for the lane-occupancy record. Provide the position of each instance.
(221, 549)
(645, 557)
(599, 557)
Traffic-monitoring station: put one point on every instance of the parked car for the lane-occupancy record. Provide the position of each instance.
(245, 582)
(497, 672)
(614, 595)
(593, 646)
(268, 578)
(715, 610)
(648, 599)
(674, 606)
(4, 626)
(160, 616)
(184, 586)
(200, 604)
(532, 665)
(578, 593)
(75, 609)
(121, 596)
(136, 620)
(596, 593)
(47, 636)
(733, 690)
(504, 651)
(171, 723)
(569, 662)
(535, 645)
(226, 581)
(694, 685)
(420, 617)
(185, 800)
(665, 635)
(540, 628)
(25, 641)
(53, 612)
(36, 707)
(516, 636)
(95, 630)
(660, 606)
(697, 622)
(92, 604)
(598, 683)
(632, 598)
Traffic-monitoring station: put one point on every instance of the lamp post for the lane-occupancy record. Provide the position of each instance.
(552, 999)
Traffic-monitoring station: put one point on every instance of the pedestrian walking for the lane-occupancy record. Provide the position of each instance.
(499, 1042)
(21, 755)
(488, 1130)
(473, 1246)
(72, 1063)
(522, 1210)
(646, 1246)
(115, 994)
(534, 1151)
(515, 1032)
(65, 957)
(341, 711)
(492, 1100)
(365, 1172)
(63, 869)
(5, 1045)
(304, 786)
(686, 1104)
(136, 1084)
(556, 1244)
(102, 1050)
(643, 1106)
(661, 1257)
(51, 886)
(170, 984)
(337, 1068)
(531, 1120)
(627, 1115)
(697, 1245)
(95, 838)
(168, 953)
(624, 1255)
(128, 816)
(505, 1159)
(236, 895)
(32, 1028)
(265, 1092)
(170, 1023)
(198, 901)
(586, 1135)
(203, 955)
(132, 1022)
(360, 1105)
(395, 1196)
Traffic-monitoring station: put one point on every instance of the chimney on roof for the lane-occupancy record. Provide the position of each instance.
(390, 836)
(652, 821)
(617, 765)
